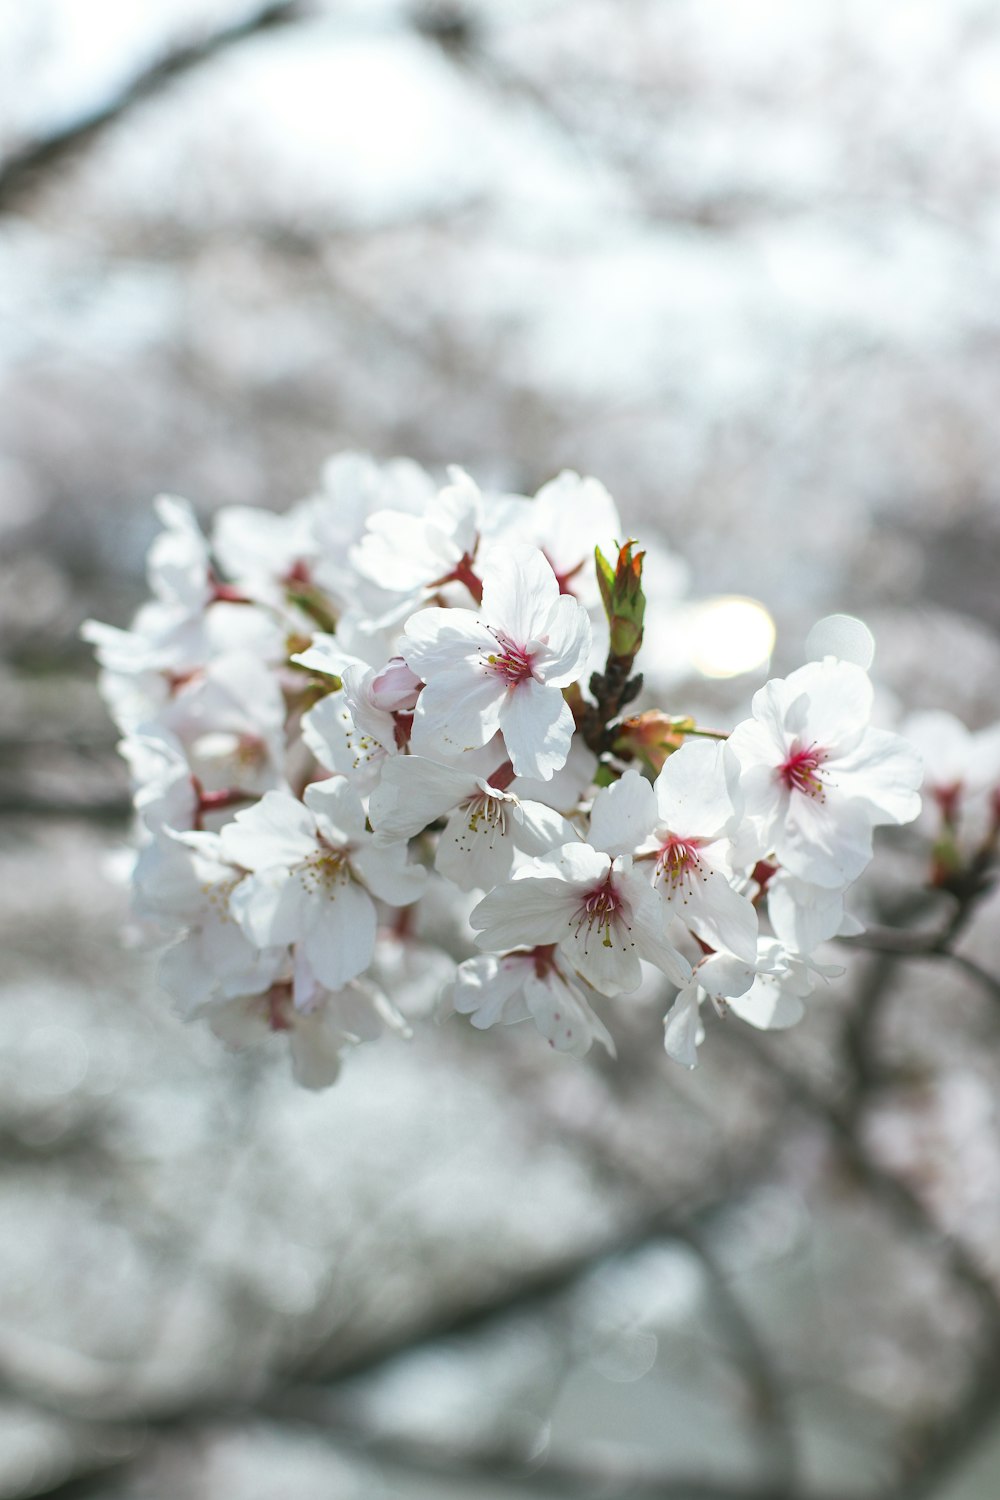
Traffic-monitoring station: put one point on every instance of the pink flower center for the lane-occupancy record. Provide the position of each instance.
(511, 662)
(600, 908)
(800, 772)
(678, 858)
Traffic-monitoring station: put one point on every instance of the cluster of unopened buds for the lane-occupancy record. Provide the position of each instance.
(398, 692)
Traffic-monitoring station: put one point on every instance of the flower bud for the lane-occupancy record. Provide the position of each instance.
(624, 600)
(650, 738)
(395, 688)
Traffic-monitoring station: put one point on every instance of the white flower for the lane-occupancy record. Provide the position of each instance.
(333, 1022)
(230, 719)
(681, 827)
(191, 620)
(961, 776)
(518, 986)
(817, 778)
(348, 733)
(486, 828)
(163, 792)
(352, 730)
(354, 486)
(568, 787)
(766, 993)
(569, 517)
(314, 864)
(803, 916)
(502, 668)
(177, 563)
(784, 979)
(601, 914)
(186, 883)
(414, 554)
(263, 553)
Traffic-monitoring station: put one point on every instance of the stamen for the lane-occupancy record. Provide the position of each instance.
(490, 811)
(512, 662)
(324, 872)
(599, 908)
(678, 859)
(800, 771)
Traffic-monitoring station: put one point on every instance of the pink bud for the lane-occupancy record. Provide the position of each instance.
(395, 689)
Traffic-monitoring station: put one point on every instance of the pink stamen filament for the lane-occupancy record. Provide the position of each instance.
(600, 908)
(800, 771)
(511, 662)
(678, 858)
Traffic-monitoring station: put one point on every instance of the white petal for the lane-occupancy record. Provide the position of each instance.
(436, 639)
(724, 976)
(623, 815)
(717, 913)
(563, 1016)
(413, 792)
(649, 931)
(475, 852)
(607, 957)
(884, 773)
(541, 829)
(277, 830)
(682, 1028)
(270, 906)
(524, 913)
(803, 916)
(388, 875)
(537, 727)
(331, 733)
(489, 989)
(694, 791)
(316, 1052)
(575, 861)
(340, 936)
(840, 701)
(567, 643)
(459, 710)
(340, 815)
(520, 592)
(768, 1005)
(824, 841)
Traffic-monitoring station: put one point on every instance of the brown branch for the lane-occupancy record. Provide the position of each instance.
(592, 1472)
(23, 166)
(772, 1402)
(949, 1441)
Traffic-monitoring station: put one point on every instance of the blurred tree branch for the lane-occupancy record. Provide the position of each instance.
(20, 171)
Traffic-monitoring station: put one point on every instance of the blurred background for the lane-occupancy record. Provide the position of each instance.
(741, 262)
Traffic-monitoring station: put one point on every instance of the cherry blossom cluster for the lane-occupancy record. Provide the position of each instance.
(400, 723)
